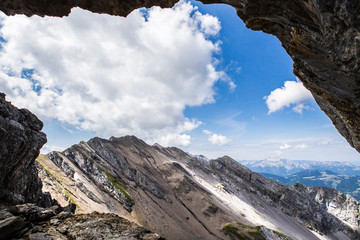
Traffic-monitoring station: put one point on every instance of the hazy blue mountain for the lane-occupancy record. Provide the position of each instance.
(276, 178)
(349, 184)
(284, 167)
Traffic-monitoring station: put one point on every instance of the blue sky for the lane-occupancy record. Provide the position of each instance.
(264, 66)
(193, 78)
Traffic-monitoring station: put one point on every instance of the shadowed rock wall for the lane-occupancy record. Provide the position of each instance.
(63, 7)
(20, 142)
(321, 36)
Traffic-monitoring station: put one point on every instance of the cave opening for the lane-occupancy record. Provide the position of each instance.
(223, 89)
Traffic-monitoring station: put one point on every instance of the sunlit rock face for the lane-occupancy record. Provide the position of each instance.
(322, 37)
(181, 196)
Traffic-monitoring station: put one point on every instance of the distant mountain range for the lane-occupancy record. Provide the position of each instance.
(349, 184)
(285, 167)
(342, 176)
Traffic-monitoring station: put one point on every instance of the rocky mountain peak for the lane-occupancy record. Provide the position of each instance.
(177, 194)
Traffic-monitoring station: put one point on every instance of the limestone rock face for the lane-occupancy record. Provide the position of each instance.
(127, 177)
(20, 142)
(320, 208)
(341, 205)
(181, 196)
(322, 37)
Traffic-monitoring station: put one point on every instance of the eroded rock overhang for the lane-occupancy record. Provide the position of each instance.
(321, 36)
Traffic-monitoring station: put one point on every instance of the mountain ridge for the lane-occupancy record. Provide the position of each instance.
(175, 193)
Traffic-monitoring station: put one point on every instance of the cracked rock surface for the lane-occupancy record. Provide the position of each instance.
(20, 142)
(28, 221)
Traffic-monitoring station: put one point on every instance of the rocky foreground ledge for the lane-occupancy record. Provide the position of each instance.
(28, 221)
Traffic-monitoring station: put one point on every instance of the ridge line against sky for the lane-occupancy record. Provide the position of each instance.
(192, 76)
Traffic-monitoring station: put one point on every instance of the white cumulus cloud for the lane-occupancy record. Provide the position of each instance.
(46, 149)
(292, 93)
(300, 107)
(208, 24)
(285, 146)
(216, 139)
(207, 132)
(174, 139)
(113, 75)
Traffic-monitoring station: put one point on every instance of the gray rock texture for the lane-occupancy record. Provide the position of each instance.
(20, 142)
(102, 174)
(322, 37)
(320, 208)
(175, 194)
(28, 221)
(100, 226)
(19, 221)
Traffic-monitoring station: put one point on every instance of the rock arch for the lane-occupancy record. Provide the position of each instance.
(322, 37)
